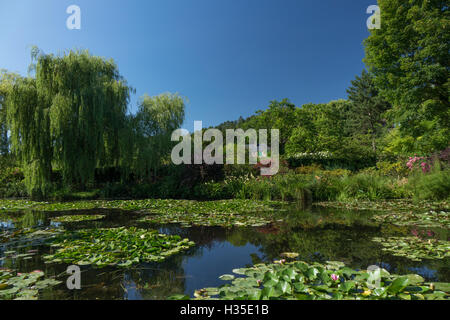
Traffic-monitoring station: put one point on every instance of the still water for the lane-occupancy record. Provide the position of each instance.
(317, 234)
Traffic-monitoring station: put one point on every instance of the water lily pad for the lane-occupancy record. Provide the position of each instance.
(290, 255)
(78, 218)
(415, 248)
(301, 281)
(226, 277)
(117, 246)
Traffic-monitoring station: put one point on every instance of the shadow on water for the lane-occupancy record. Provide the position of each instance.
(317, 234)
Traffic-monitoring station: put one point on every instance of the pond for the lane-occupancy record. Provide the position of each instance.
(317, 234)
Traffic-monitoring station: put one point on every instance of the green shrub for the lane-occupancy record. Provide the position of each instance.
(14, 189)
(365, 186)
(308, 169)
(336, 173)
(434, 185)
(395, 169)
(11, 179)
(325, 188)
(331, 161)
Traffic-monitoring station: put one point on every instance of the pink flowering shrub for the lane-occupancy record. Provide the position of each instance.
(418, 162)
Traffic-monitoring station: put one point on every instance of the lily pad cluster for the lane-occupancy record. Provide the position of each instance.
(215, 219)
(29, 234)
(23, 286)
(400, 205)
(16, 205)
(332, 281)
(12, 254)
(78, 218)
(150, 205)
(415, 248)
(116, 246)
(429, 219)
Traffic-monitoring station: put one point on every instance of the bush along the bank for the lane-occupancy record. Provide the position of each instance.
(331, 161)
(419, 178)
(11, 180)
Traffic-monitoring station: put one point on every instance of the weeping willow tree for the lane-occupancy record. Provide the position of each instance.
(29, 122)
(69, 116)
(7, 80)
(154, 123)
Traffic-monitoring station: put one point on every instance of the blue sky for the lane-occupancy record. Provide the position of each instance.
(228, 57)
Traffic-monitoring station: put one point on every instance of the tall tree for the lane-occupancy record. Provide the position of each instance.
(279, 115)
(7, 80)
(29, 122)
(320, 127)
(155, 121)
(367, 108)
(69, 116)
(409, 56)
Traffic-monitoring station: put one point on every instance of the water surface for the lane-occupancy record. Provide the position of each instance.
(317, 234)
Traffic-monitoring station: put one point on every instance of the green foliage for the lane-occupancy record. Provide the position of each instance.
(11, 179)
(319, 128)
(213, 218)
(363, 186)
(329, 161)
(78, 218)
(332, 280)
(119, 246)
(6, 82)
(23, 286)
(396, 169)
(427, 219)
(308, 169)
(154, 123)
(279, 115)
(29, 123)
(409, 57)
(433, 185)
(52, 115)
(155, 206)
(396, 207)
(85, 110)
(367, 107)
(415, 248)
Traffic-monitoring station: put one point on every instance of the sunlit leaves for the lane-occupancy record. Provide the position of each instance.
(300, 281)
(118, 246)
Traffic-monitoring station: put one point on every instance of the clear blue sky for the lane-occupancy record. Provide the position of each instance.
(228, 57)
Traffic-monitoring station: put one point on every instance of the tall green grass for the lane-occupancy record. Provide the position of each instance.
(434, 185)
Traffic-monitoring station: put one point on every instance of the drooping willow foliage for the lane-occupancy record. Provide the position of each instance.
(29, 123)
(155, 121)
(87, 101)
(72, 117)
(69, 116)
(6, 82)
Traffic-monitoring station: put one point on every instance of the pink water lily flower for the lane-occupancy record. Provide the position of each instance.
(334, 277)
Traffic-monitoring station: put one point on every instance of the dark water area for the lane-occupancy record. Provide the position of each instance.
(317, 234)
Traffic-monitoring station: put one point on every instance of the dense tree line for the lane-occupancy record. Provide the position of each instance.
(398, 106)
